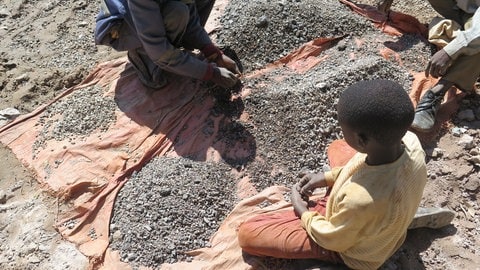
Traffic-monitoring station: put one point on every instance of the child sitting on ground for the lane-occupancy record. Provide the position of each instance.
(370, 201)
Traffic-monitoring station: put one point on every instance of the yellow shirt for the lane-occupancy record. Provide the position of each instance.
(370, 207)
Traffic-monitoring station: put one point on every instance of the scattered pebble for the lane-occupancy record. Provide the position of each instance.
(458, 131)
(262, 22)
(466, 141)
(9, 113)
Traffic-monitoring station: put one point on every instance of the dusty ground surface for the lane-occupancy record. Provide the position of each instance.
(48, 46)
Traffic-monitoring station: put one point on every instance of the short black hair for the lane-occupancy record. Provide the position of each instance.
(381, 109)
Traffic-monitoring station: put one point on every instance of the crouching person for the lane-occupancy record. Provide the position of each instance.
(159, 36)
(370, 201)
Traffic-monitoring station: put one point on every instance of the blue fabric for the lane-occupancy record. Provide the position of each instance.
(115, 14)
(140, 25)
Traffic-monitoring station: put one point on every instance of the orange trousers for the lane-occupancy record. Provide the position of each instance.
(281, 234)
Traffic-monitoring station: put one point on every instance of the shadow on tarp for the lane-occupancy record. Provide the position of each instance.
(196, 122)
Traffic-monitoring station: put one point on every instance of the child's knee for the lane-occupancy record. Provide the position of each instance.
(243, 235)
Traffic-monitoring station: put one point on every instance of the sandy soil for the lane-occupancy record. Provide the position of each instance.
(48, 46)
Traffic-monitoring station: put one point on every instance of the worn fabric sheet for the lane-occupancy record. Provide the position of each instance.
(176, 121)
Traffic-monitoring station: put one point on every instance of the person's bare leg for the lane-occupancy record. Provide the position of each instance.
(428, 105)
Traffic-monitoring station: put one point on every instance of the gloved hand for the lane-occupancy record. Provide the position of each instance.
(228, 63)
(223, 77)
(438, 65)
(384, 6)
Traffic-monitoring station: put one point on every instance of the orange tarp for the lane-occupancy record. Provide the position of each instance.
(175, 121)
(393, 23)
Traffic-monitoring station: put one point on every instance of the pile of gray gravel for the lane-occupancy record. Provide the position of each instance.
(292, 121)
(172, 205)
(263, 31)
(295, 119)
(76, 116)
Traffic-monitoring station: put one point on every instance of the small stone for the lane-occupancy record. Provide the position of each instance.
(10, 113)
(4, 13)
(117, 235)
(321, 86)
(43, 248)
(474, 152)
(131, 257)
(475, 159)
(472, 184)
(31, 248)
(457, 131)
(3, 197)
(466, 141)
(33, 259)
(21, 78)
(466, 115)
(342, 46)
(262, 22)
(165, 192)
(445, 170)
(434, 152)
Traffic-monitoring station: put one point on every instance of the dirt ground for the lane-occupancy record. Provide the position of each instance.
(47, 47)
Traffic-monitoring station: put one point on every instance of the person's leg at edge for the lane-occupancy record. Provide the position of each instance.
(447, 10)
(463, 74)
(175, 17)
(204, 8)
(281, 235)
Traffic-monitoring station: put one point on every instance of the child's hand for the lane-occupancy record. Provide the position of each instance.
(311, 181)
(299, 204)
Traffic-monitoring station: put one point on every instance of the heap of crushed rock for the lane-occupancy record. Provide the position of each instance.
(172, 205)
(293, 119)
